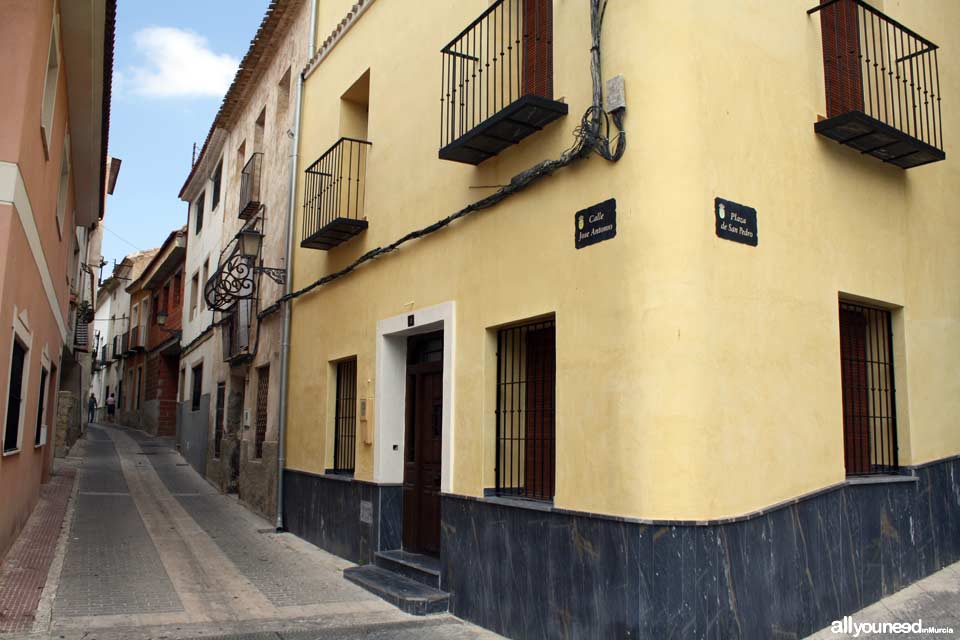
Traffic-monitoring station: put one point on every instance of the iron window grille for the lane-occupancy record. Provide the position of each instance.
(345, 425)
(250, 186)
(334, 202)
(11, 437)
(218, 421)
(869, 398)
(198, 222)
(497, 81)
(197, 388)
(217, 179)
(525, 416)
(263, 387)
(43, 390)
(882, 85)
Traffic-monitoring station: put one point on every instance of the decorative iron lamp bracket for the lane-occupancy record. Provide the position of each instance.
(277, 275)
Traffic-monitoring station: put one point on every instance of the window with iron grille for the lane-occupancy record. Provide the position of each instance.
(11, 437)
(526, 394)
(197, 388)
(869, 403)
(345, 425)
(218, 422)
(40, 404)
(263, 386)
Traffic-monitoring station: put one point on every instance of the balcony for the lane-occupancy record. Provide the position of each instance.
(137, 339)
(116, 350)
(333, 203)
(237, 334)
(497, 82)
(125, 345)
(882, 85)
(250, 187)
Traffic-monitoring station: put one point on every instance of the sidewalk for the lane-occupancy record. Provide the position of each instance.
(25, 567)
(934, 601)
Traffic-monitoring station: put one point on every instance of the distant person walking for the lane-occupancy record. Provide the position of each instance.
(91, 407)
(111, 407)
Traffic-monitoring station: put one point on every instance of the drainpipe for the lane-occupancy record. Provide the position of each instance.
(288, 287)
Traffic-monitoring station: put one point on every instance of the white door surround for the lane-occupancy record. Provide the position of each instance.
(391, 385)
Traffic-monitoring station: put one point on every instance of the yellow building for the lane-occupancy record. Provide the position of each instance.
(707, 388)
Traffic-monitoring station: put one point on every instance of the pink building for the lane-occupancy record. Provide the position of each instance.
(56, 62)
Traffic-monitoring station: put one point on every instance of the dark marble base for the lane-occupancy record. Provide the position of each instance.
(349, 518)
(786, 572)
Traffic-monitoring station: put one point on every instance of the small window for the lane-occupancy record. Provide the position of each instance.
(263, 388)
(177, 279)
(283, 94)
(63, 190)
(218, 421)
(217, 177)
(15, 392)
(194, 293)
(526, 393)
(241, 158)
(869, 403)
(203, 282)
(50, 83)
(198, 213)
(258, 130)
(136, 401)
(345, 416)
(197, 387)
(37, 437)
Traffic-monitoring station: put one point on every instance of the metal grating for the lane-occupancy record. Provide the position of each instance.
(526, 397)
(345, 426)
(263, 387)
(218, 424)
(869, 402)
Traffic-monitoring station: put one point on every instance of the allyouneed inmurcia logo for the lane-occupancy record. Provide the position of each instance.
(858, 629)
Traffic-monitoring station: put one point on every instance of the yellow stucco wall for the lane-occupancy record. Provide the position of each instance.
(696, 378)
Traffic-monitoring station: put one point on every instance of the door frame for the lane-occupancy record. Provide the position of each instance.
(391, 386)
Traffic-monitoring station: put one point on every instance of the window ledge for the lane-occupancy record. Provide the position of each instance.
(339, 477)
(533, 505)
(11, 452)
(881, 479)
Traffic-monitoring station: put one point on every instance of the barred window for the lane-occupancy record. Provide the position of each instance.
(345, 425)
(526, 395)
(218, 419)
(263, 387)
(869, 403)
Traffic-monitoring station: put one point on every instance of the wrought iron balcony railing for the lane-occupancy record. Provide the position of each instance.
(497, 81)
(125, 344)
(250, 186)
(882, 84)
(333, 202)
(117, 350)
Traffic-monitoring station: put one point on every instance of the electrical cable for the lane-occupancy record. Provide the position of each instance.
(591, 136)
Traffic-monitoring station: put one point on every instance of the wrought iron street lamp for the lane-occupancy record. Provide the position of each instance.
(251, 241)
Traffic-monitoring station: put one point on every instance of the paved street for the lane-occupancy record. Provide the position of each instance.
(151, 550)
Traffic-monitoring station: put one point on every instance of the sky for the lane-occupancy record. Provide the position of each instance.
(173, 62)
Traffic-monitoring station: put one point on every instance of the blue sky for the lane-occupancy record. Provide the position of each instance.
(173, 62)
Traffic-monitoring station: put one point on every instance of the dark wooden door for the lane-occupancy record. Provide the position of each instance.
(856, 385)
(423, 445)
(538, 48)
(840, 29)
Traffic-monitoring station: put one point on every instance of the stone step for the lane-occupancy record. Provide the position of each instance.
(416, 566)
(408, 595)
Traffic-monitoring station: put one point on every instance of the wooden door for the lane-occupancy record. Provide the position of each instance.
(423, 445)
(856, 403)
(840, 30)
(538, 48)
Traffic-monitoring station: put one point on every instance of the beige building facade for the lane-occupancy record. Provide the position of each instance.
(250, 143)
(607, 385)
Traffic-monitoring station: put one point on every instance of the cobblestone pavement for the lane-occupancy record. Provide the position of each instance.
(152, 550)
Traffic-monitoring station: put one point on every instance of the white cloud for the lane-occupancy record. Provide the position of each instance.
(178, 63)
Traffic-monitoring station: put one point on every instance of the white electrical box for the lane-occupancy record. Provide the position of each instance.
(615, 96)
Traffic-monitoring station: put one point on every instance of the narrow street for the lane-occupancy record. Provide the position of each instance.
(151, 550)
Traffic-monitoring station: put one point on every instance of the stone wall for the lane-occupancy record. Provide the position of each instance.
(258, 478)
(68, 423)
